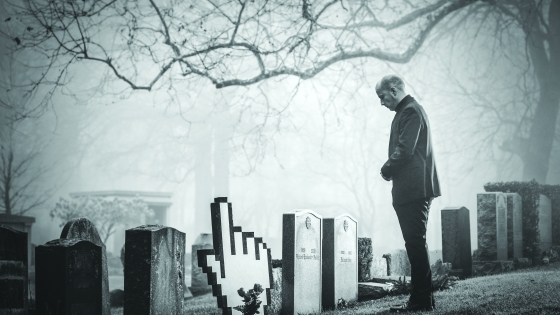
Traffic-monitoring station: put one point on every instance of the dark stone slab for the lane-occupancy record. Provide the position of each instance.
(456, 239)
(519, 263)
(340, 260)
(82, 228)
(365, 258)
(199, 280)
(372, 291)
(117, 298)
(492, 226)
(153, 274)
(301, 262)
(491, 267)
(68, 277)
(13, 271)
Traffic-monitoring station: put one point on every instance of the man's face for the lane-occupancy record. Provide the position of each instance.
(387, 98)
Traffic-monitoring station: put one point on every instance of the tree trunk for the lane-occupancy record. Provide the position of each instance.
(222, 135)
(541, 139)
(547, 70)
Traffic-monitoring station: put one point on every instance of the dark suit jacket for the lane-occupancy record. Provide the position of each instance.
(411, 163)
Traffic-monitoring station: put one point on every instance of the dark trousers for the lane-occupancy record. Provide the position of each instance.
(413, 219)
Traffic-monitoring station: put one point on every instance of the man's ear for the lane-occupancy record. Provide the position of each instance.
(393, 91)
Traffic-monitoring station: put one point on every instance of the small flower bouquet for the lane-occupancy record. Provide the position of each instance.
(251, 300)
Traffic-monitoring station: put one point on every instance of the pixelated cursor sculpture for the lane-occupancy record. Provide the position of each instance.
(238, 260)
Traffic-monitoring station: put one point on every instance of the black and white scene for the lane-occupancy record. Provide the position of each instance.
(279, 157)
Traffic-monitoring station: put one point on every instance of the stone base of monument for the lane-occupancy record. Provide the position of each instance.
(373, 290)
(198, 291)
(522, 263)
(491, 267)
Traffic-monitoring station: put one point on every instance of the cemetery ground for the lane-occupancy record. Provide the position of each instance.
(525, 291)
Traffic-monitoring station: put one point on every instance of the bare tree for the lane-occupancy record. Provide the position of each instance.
(150, 44)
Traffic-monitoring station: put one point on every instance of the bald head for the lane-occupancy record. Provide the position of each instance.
(390, 81)
(390, 91)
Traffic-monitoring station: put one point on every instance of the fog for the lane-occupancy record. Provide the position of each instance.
(283, 143)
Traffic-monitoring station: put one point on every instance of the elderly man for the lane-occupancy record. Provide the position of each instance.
(411, 167)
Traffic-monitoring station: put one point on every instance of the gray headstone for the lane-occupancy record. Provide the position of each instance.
(13, 271)
(68, 277)
(238, 260)
(302, 233)
(545, 223)
(515, 226)
(492, 226)
(378, 267)
(340, 260)
(400, 265)
(456, 239)
(154, 271)
(82, 228)
(199, 280)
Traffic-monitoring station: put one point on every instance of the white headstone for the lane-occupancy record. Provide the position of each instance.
(302, 233)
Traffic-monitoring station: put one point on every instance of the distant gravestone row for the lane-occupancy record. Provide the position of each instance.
(500, 234)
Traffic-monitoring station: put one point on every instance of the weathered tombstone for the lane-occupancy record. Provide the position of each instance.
(515, 226)
(456, 239)
(545, 223)
(68, 278)
(398, 263)
(301, 262)
(154, 270)
(238, 260)
(492, 226)
(378, 267)
(199, 280)
(82, 228)
(340, 260)
(365, 258)
(13, 271)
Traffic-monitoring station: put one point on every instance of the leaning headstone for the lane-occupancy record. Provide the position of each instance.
(515, 226)
(154, 271)
(68, 277)
(199, 280)
(239, 262)
(340, 261)
(13, 271)
(83, 228)
(302, 236)
(365, 258)
(456, 239)
(492, 226)
(545, 223)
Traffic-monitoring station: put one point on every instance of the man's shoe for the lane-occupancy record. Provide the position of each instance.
(411, 307)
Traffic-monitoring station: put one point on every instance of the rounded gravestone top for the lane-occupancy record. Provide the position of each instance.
(203, 239)
(63, 242)
(148, 227)
(81, 228)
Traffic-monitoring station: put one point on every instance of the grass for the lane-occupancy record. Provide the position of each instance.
(527, 291)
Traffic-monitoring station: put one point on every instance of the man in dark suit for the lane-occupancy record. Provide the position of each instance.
(411, 167)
